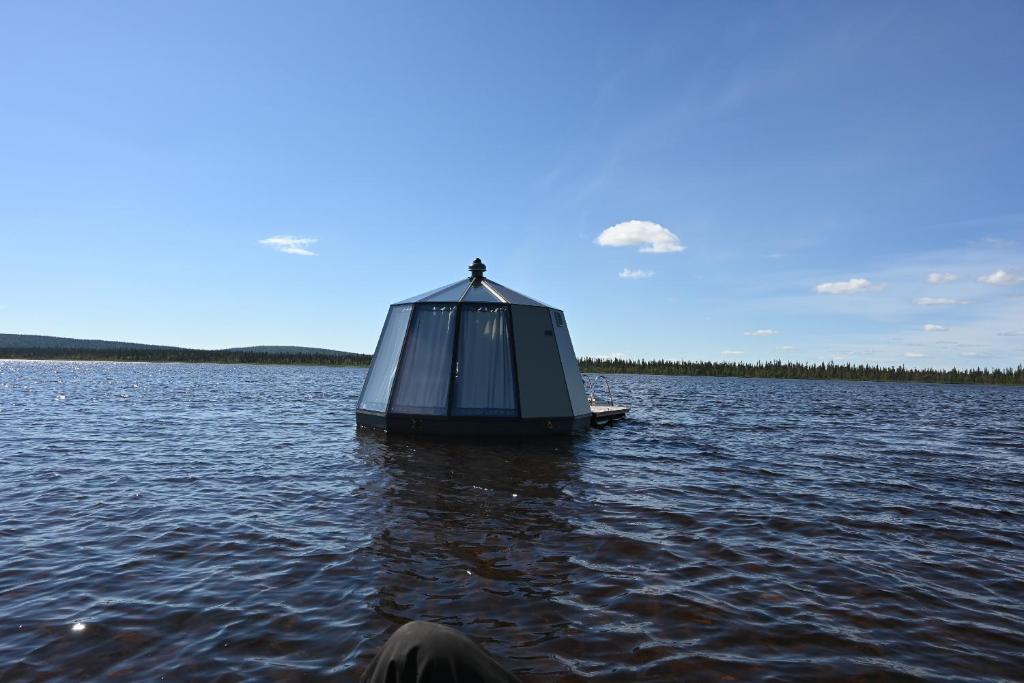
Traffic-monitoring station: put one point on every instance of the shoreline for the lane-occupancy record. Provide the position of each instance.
(725, 370)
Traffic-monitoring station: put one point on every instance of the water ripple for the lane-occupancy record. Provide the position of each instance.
(229, 522)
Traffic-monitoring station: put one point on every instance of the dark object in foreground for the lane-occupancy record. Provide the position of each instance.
(422, 652)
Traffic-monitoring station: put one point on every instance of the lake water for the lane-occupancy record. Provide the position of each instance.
(230, 522)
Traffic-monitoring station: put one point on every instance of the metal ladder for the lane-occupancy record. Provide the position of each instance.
(591, 387)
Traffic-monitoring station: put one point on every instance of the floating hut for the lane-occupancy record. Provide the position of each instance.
(474, 357)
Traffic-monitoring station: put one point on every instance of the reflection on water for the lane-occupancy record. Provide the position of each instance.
(470, 533)
(229, 521)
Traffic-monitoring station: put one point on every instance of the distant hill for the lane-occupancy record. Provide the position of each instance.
(38, 347)
(291, 349)
(36, 341)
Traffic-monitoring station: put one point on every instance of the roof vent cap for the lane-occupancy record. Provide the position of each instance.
(476, 270)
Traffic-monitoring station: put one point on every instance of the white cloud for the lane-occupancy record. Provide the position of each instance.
(930, 327)
(913, 354)
(761, 333)
(939, 278)
(290, 245)
(787, 347)
(1000, 277)
(727, 352)
(937, 301)
(999, 242)
(1011, 333)
(635, 274)
(659, 240)
(857, 284)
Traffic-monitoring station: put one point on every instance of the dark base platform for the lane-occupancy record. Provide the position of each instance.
(440, 424)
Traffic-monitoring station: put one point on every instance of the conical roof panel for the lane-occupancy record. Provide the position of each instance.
(479, 294)
(472, 290)
(452, 292)
(511, 296)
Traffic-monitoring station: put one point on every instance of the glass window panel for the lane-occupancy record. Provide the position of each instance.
(484, 381)
(380, 377)
(422, 385)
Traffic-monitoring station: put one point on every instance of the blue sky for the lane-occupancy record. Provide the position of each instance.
(814, 164)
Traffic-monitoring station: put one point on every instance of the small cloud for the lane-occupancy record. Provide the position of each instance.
(635, 274)
(913, 354)
(939, 278)
(999, 242)
(727, 352)
(1011, 333)
(290, 245)
(787, 347)
(937, 301)
(1000, 277)
(934, 328)
(851, 286)
(658, 239)
(761, 333)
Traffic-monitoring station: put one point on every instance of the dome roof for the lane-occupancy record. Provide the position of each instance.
(475, 289)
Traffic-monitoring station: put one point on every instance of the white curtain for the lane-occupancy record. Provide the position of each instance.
(422, 385)
(385, 359)
(484, 383)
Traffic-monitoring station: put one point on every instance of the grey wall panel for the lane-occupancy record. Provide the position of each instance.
(570, 365)
(542, 390)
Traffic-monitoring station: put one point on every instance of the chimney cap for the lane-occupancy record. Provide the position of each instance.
(476, 270)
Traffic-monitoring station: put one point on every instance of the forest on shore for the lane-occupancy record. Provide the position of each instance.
(789, 370)
(771, 369)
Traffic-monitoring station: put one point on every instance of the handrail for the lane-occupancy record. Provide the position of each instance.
(592, 393)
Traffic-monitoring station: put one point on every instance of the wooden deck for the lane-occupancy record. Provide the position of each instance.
(602, 415)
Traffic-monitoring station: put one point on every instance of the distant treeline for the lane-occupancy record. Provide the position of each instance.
(177, 355)
(772, 369)
(783, 370)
